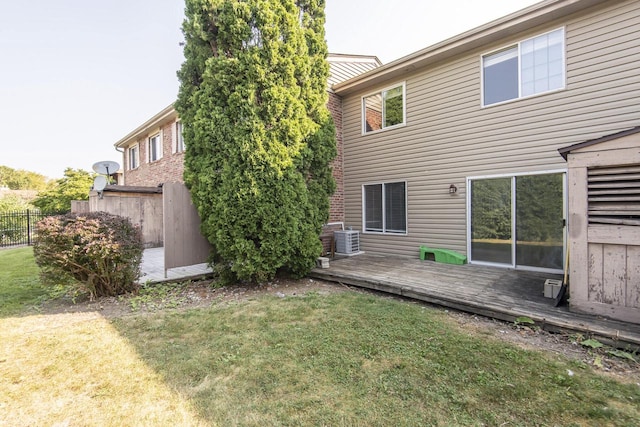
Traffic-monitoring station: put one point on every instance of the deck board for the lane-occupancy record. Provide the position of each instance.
(494, 292)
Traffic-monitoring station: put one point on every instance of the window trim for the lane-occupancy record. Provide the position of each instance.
(402, 84)
(136, 157)
(513, 176)
(518, 44)
(178, 146)
(384, 223)
(159, 151)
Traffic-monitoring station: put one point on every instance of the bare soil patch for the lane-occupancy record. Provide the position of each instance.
(555, 344)
(188, 295)
(202, 294)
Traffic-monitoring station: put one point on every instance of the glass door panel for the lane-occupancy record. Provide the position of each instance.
(491, 220)
(539, 221)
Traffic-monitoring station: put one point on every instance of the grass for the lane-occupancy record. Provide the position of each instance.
(76, 369)
(19, 284)
(345, 359)
(351, 359)
(156, 296)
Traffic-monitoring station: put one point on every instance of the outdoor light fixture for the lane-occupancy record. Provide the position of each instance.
(453, 189)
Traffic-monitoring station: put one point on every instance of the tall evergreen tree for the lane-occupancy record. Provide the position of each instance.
(258, 133)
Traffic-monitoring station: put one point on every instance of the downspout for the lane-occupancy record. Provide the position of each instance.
(123, 165)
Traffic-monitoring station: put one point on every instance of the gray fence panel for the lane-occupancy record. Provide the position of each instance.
(183, 243)
(143, 209)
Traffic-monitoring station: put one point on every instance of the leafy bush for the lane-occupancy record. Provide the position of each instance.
(13, 203)
(57, 197)
(99, 252)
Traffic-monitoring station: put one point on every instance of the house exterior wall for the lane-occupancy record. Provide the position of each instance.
(169, 168)
(449, 136)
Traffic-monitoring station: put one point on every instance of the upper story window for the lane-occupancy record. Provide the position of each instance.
(179, 138)
(385, 207)
(155, 148)
(530, 67)
(134, 156)
(384, 109)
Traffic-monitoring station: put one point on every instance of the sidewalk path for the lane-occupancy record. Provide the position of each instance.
(152, 268)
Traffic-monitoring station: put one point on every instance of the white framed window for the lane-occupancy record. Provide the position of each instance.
(384, 109)
(530, 67)
(384, 207)
(179, 139)
(154, 148)
(133, 154)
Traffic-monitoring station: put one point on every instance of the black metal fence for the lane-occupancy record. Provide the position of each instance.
(17, 228)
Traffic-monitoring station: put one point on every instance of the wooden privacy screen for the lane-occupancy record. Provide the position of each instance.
(183, 243)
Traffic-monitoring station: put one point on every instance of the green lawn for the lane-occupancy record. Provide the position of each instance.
(344, 359)
(351, 359)
(19, 284)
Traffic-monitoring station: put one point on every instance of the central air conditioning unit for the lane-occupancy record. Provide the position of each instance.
(347, 241)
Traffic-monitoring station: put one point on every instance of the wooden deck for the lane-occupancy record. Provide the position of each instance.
(494, 292)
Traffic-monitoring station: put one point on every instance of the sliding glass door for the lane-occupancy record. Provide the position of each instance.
(518, 221)
(539, 221)
(491, 222)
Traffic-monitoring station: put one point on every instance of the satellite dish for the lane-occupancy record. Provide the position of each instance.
(106, 168)
(99, 183)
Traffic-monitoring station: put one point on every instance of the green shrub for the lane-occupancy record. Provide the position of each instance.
(260, 139)
(98, 252)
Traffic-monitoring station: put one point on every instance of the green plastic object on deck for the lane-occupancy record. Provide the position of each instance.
(446, 256)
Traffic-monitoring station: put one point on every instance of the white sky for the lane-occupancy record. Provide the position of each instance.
(78, 75)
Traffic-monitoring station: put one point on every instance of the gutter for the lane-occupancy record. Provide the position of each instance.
(163, 115)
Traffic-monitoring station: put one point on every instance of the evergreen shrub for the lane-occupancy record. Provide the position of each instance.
(259, 137)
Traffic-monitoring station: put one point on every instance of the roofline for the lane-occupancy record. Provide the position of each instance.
(170, 111)
(564, 152)
(113, 188)
(362, 58)
(154, 121)
(133, 189)
(493, 31)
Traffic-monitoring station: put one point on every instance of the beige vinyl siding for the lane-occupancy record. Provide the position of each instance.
(449, 136)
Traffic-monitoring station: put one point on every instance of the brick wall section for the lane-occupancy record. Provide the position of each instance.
(374, 120)
(336, 213)
(169, 168)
